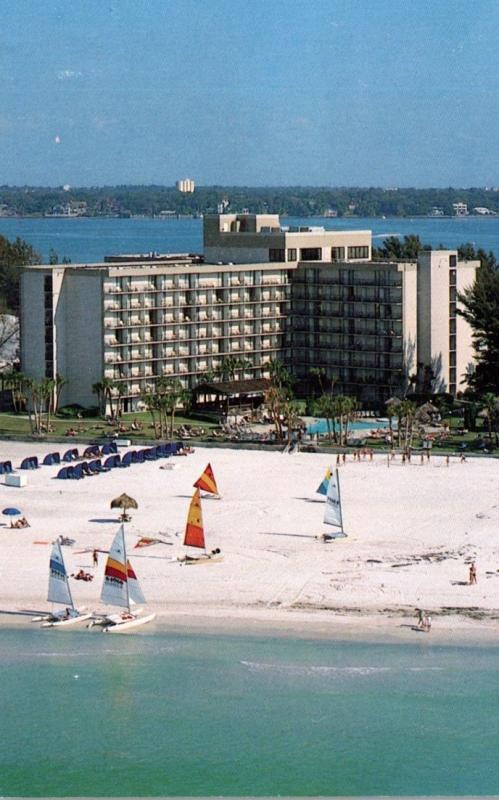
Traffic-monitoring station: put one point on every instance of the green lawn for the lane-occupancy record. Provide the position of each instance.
(93, 427)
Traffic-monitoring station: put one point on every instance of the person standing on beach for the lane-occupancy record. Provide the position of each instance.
(421, 615)
(472, 575)
(427, 623)
(95, 558)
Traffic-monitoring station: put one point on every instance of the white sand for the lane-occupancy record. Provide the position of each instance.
(431, 519)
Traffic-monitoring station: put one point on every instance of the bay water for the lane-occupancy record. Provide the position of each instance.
(163, 713)
(88, 240)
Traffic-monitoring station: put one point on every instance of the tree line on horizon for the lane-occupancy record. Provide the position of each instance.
(294, 201)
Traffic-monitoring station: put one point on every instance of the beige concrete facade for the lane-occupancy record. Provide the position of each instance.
(372, 326)
(445, 349)
(133, 324)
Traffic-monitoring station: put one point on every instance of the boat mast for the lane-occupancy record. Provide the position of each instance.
(339, 499)
(126, 567)
(66, 574)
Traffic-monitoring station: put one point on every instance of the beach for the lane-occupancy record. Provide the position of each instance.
(412, 532)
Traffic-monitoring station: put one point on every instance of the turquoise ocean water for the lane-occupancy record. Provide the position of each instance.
(89, 240)
(169, 714)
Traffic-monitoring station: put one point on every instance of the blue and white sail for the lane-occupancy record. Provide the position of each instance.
(332, 512)
(324, 483)
(59, 591)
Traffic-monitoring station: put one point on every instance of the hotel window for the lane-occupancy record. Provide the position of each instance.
(311, 254)
(292, 253)
(337, 254)
(452, 261)
(276, 254)
(358, 252)
(452, 276)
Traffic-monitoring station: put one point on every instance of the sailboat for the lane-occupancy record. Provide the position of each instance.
(332, 512)
(60, 592)
(207, 483)
(194, 535)
(121, 588)
(323, 486)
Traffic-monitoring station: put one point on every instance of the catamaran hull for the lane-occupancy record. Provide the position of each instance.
(64, 624)
(129, 624)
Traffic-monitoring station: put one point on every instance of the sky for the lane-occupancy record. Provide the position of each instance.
(249, 92)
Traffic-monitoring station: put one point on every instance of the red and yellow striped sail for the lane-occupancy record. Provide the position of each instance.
(130, 572)
(145, 541)
(115, 569)
(194, 533)
(207, 482)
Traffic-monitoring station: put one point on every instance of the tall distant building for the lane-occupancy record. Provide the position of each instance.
(186, 185)
(309, 297)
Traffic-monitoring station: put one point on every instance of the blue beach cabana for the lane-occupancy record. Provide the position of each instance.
(51, 458)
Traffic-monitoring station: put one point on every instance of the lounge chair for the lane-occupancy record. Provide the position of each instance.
(96, 467)
(51, 458)
(31, 462)
(78, 473)
(126, 461)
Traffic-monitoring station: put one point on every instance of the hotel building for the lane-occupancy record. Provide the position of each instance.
(308, 297)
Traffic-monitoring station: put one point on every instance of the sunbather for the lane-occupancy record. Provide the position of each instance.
(82, 576)
(22, 522)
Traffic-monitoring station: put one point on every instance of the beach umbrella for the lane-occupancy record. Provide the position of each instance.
(11, 512)
(124, 501)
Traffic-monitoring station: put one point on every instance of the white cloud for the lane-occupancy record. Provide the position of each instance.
(68, 75)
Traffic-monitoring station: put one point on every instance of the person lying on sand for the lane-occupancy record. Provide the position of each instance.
(22, 522)
(82, 576)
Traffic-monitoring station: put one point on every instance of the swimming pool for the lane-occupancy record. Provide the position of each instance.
(359, 425)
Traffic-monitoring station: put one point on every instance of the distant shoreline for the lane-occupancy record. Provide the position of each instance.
(175, 217)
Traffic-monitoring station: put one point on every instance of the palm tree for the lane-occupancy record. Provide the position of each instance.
(38, 394)
(490, 406)
(274, 399)
(291, 416)
(162, 402)
(228, 368)
(280, 376)
(406, 412)
(59, 382)
(16, 382)
(326, 407)
(107, 391)
(391, 410)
